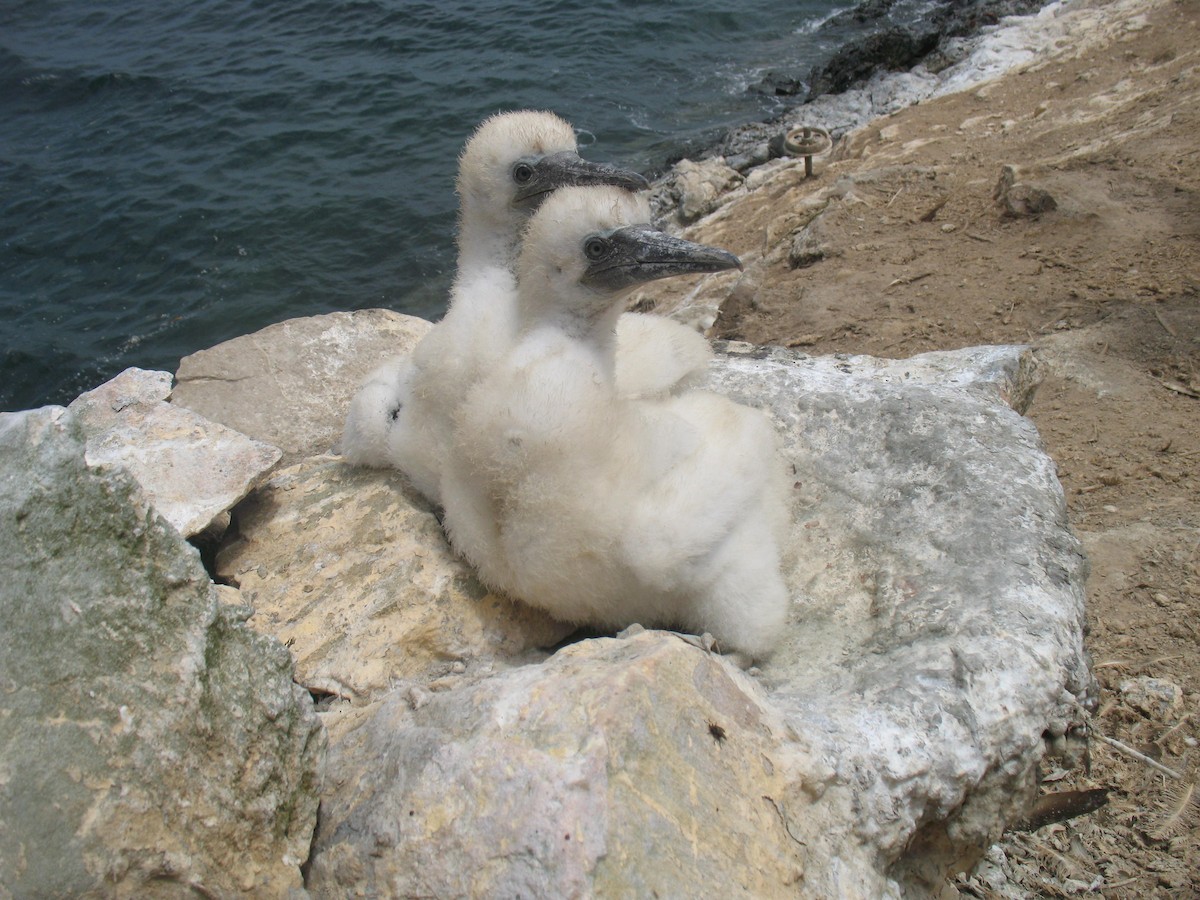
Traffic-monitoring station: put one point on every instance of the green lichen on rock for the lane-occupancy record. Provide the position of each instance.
(146, 735)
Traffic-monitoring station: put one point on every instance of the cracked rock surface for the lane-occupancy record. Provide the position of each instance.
(191, 469)
(934, 651)
(933, 656)
(150, 743)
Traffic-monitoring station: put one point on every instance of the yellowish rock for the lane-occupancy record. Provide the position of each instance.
(633, 767)
(350, 568)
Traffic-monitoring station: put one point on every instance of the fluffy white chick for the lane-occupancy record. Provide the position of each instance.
(602, 509)
(402, 414)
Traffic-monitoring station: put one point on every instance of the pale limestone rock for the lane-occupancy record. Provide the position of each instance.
(701, 187)
(191, 469)
(745, 372)
(350, 568)
(290, 384)
(934, 649)
(150, 744)
(938, 625)
(695, 301)
(619, 768)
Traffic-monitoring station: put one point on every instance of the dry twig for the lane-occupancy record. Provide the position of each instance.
(1163, 322)
(910, 279)
(1138, 755)
(1177, 388)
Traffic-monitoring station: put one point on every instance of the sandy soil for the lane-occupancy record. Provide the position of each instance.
(917, 255)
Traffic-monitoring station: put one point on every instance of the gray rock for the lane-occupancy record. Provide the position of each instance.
(933, 653)
(939, 623)
(150, 744)
(889, 49)
(290, 384)
(810, 245)
(191, 469)
(1009, 375)
(1156, 698)
(1019, 199)
(755, 155)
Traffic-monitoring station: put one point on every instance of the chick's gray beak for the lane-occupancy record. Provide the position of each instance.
(636, 254)
(562, 169)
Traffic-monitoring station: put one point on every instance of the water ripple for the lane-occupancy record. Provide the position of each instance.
(175, 174)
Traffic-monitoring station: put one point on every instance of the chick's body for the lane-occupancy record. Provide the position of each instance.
(602, 509)
(402, 416)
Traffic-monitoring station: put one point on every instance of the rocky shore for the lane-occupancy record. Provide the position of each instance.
(932, 705)
(897, 48)
(1054, 207)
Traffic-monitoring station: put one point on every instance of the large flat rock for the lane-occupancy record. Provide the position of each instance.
(619, 768)
(290, 384)
(937, 636)
(933, 655)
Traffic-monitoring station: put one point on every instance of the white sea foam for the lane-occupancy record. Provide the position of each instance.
(1016, 41)
(812, 26)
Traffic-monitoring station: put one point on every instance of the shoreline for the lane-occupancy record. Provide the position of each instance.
(1044, 195)
(873, 44)
(59, 372)
(904, 243)
(959, 61)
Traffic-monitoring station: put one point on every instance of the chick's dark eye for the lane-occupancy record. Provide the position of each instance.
(522, 173)
(595, 248)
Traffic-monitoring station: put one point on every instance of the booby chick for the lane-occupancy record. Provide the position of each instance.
(401, 416)
(601, 509)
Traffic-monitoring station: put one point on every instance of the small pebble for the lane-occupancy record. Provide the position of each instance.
(1155, 697)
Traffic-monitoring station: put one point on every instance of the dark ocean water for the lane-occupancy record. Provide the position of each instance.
(176, 174)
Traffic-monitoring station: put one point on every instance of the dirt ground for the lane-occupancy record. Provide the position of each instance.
(918, 254)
